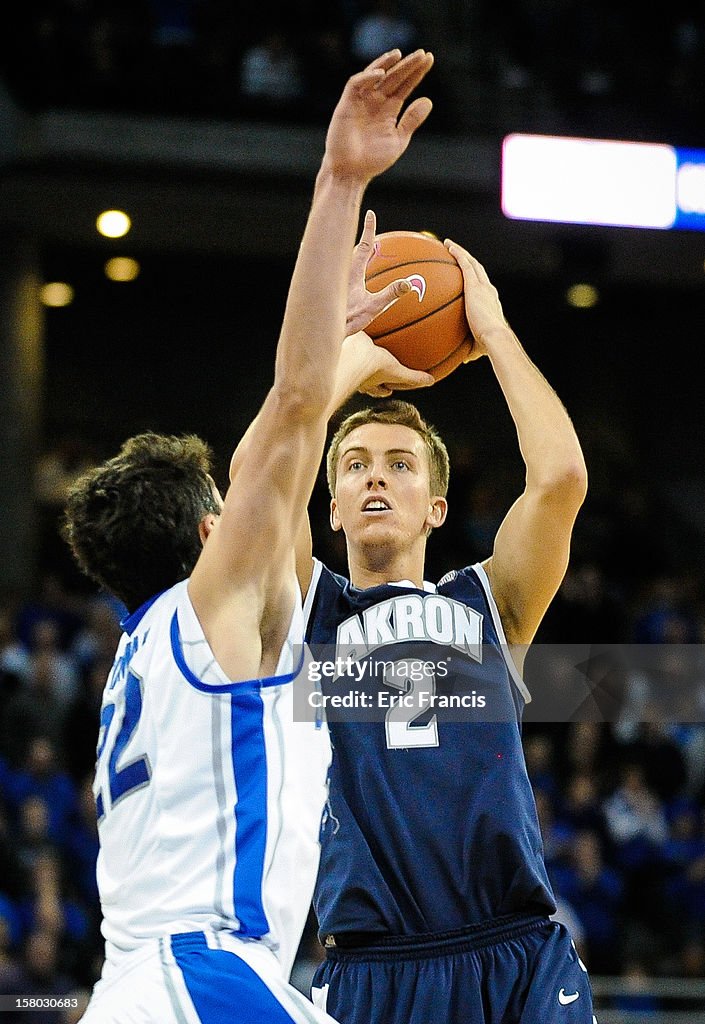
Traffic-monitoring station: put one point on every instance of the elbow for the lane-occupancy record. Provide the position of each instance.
(567, 483)
(570, 483)
(300, 405)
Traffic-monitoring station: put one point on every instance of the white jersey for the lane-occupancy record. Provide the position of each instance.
(209, 794)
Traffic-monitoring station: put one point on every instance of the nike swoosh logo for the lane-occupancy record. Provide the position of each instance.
(565, 1000)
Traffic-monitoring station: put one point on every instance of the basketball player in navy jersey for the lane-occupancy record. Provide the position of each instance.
(209, 793)
(432, 899)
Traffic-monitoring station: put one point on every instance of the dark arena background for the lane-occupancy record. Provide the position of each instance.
(204, 122)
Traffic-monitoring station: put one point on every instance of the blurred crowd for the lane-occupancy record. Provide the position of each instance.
(545, 65)
(621, 802)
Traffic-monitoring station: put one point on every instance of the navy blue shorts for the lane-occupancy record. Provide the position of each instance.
(516, 970)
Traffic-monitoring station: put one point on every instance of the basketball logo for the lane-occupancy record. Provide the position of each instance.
(418, 285)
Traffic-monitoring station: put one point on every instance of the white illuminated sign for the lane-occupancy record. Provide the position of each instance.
(594, 181)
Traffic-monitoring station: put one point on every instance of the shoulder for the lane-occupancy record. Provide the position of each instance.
(470, 577)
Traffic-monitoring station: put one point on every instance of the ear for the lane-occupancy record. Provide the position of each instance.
(438, 510)
(206, 525)
(335, 522)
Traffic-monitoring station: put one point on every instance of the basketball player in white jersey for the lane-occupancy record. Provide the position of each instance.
(209, 796)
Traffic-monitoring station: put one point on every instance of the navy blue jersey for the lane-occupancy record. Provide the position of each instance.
(431, 823)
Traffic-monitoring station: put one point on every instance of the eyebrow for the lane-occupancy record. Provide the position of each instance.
(389, 451)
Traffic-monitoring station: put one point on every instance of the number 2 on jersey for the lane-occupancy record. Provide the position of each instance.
(398, 722)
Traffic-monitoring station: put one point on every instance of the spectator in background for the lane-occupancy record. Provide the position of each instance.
(587, 747)
(32, 713)
(40, 975)
(32, 831)
(684, 860)
(382, 27)
(11, 973)
(53, 601)
(581, 809)
(60, 666)
(47, 908)
(666, 616)
(99, 635)
(41, 776)
(270, 74)
(73, 1014)
(594, 890)
(659, 757)
(635, 818)
(637, 826)
(15, 662)
(538, 751)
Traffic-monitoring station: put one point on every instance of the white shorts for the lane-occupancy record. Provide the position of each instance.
(198, 978)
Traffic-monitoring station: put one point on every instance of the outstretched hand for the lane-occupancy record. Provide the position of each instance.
(482, 306)
(364, 306)
(366, 133)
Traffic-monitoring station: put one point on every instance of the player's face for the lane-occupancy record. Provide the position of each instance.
(382, 492)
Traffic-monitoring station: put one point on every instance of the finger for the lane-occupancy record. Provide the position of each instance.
(364, 250)
(364, 82)
(384, 299)
(385, 60)
(369, 230)
(411, 379)
(414, 116)
(377, 391)
(401, 79)
(371, 76)
(463, 257)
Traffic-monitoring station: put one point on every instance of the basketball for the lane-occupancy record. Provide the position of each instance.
(426, 329)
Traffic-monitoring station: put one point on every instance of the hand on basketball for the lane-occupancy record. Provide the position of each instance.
(364, 306)
(366, 134)
(482, 306)
(380, 372)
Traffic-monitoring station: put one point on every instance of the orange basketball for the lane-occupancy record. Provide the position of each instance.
(426, 329)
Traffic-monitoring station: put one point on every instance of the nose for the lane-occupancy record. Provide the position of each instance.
(376, 479)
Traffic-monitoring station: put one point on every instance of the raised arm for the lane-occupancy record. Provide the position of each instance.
(532, 545)
(245, 573)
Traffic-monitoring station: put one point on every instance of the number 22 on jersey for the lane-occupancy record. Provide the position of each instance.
(124, 777)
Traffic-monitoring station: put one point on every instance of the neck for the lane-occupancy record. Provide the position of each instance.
(371, 567)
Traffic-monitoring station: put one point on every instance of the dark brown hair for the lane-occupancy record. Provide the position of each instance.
(132, 522)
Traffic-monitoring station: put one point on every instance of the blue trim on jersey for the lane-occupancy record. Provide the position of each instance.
(249, 759)
(130, 623)
(221, 986)
(255, 684)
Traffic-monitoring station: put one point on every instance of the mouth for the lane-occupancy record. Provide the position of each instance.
(376, 506)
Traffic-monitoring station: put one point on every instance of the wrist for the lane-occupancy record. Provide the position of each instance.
(356, 365)
(333, 178)
(498, 338)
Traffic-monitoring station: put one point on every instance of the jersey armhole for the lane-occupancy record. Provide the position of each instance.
(311, 592)
(499, 628)
(219, 682)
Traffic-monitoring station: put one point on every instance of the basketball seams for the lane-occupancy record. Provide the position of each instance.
(410, 263)
(446, 359)
(419, 319)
